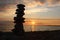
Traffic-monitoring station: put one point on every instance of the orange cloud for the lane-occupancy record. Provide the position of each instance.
(40, 2)
(53, 2)
(34, 3)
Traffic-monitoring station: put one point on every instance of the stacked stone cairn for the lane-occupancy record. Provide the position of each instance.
(19, 19)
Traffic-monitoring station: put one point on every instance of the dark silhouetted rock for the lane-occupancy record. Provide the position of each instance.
(19, 20)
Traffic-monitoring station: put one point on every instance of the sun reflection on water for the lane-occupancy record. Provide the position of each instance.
(33, 24)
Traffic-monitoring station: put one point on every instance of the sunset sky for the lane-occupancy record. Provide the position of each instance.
(38, 9)
(37, 13)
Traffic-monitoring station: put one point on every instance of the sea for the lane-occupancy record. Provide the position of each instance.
(7, 26)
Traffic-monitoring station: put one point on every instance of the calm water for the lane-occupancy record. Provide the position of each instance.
(6, 26)
(41, 28)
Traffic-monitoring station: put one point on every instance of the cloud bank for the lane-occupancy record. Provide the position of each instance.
(29, 3)
(33, 3)
(4, 4)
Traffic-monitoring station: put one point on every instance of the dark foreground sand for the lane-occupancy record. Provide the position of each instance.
(46, 35)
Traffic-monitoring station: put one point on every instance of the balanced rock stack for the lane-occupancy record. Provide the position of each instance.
(19, 19)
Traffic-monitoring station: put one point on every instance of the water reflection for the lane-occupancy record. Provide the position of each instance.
(8, 26)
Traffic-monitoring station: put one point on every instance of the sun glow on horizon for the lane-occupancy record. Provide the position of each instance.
(33, 23)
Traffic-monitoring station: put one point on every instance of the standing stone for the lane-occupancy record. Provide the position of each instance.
(19, 19)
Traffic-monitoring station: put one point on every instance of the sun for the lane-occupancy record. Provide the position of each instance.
(33, 22)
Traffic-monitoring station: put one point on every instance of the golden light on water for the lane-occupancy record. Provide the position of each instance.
(33, 23)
